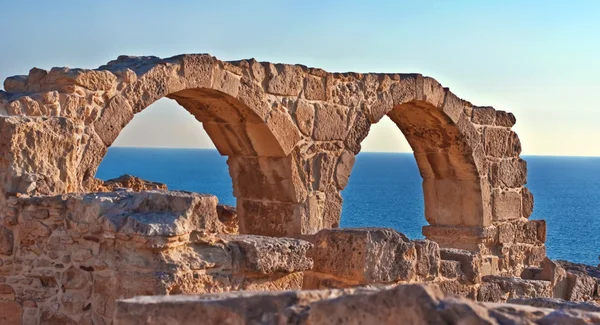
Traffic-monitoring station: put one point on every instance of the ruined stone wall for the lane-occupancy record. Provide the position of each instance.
(294, 130)
(291, 134)
(66, 259)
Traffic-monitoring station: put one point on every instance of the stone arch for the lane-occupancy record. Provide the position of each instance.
(291, 134)
(256, 134)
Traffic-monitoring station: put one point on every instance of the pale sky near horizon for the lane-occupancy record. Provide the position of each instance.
(537, 59)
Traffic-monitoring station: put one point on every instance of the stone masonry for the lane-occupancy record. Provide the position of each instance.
(72, 245)
(294, 130)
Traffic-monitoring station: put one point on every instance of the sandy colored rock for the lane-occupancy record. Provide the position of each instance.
(128, 181)
(365, 255)
(556, 303)
(413, 304)
(265, 255)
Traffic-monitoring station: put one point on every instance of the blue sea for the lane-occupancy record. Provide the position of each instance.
(385, 191)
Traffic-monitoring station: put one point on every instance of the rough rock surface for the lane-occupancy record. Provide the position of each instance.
(556, 303)
(404, 304)
(127, 181)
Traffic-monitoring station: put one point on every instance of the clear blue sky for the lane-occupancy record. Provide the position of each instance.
(537, 59)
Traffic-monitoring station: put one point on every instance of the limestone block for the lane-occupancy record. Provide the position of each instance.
(358, 132)
(282, 128)
(470, 263)
(496, 142)
(155, 213)
(43, 154)
(305, 117)
(113, 119)
(315, 88)
(450, 269)
(483, 115)
(274, 282)
(511, 288)
(284, 79)
(271, 218)
(279, 178)
(367, 255)
(330, 122)
(428, 258)
(507, 232)
(332, 210)
(505, 119)
(509, 173)
(323, 167)
(229, 218)
(556, 274)
(527, 202)
(581, 286)
(506, 204)
(266, 255)
(531, 232)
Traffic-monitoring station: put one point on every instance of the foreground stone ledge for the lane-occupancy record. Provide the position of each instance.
(404, 304)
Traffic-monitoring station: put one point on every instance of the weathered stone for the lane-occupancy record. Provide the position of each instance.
(284, 80)
(315, 88)
(330, 122)
(364, 255)
(357, 133)
(484, 115)
(581, 286)
(305, 116)
(506, 204)
(556, 303)
(280, 178)
(496, 142)
(505, 119)
(509, 173)
(428, 258)
(413, 304)
(114, 118)
(343, 169)
(228, 217)
(506, 233)
(450, 269)
(265, 255)
(527, 202)
(556, 274)
(518, 288)
(470, 263)
(128, 181)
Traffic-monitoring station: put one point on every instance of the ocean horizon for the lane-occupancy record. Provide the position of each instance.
(384, 190)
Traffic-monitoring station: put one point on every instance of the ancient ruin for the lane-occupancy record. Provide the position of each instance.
(72, 245)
